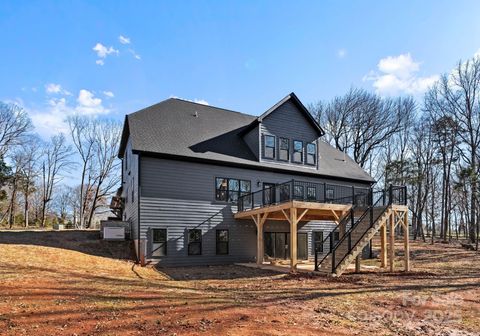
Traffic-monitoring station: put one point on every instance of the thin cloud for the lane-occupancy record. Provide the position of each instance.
(198, 101)
(341, 53)
(102, 52)
(134, 54)
(53, 88)
(108, 94)
(123, 39)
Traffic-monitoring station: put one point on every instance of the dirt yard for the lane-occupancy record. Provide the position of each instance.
(69, 284)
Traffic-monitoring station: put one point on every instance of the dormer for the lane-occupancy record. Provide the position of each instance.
(285, 134)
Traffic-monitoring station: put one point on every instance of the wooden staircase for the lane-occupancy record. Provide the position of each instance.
(367, 223)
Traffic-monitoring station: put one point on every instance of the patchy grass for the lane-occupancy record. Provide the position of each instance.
(49, 288)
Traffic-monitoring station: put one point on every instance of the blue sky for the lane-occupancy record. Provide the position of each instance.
(64, 57)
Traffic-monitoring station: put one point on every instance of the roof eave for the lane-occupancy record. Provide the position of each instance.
(248, 166)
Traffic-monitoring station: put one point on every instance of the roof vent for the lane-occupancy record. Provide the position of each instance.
(195, 114)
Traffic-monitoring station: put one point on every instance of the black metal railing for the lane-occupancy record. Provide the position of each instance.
(378, 202)
(303, 191)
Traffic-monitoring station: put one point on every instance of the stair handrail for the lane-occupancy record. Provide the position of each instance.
(329, 236)
(391, 189)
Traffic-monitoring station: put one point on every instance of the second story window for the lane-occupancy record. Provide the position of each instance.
(298, 151)
(311, 153)
(269, 151)
(284, 149)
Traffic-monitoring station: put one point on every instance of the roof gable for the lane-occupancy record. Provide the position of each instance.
(294, 99)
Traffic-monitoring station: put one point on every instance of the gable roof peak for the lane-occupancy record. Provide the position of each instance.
(293, 97)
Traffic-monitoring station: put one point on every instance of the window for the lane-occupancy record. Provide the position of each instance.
(269, 151)
(311, 193)
(284, 192)
(159, 242)
(311, 153)
(222, 241)
(330, 193)
(233, 189)
(336, 236)
(194, 242)
(318, 241)
(284, 149)
(298, 192)
(297, 151)
(229, 190)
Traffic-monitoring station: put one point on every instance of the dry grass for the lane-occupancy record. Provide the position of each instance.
(59, 290)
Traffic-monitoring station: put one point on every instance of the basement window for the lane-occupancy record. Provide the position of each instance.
(318, 241)
(269, 150)
(297, 151)
(159, 242)
(222, 242)
(194, 242)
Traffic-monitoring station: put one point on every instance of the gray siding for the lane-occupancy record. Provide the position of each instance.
(178, 195)
(252, 140)
(130, 189)
(289, 122)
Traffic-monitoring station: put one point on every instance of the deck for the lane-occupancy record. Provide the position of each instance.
(296, 201)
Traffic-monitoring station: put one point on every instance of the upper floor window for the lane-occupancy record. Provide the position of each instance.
(284, 149)
(297, 151)
(269, 151)
(311, 153)
(229, 190)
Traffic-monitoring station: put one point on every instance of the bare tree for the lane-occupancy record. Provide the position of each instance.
(83, 132)
(14, 126)
(57, 159)
(29, 154)
(459, 93)
(360, 122)
(106, 164)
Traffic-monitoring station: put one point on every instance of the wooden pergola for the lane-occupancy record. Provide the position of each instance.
(293, 212)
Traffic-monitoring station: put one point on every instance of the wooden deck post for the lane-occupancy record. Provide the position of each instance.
(293, 239)
(357, 263)
(383, 245)
(259, 220)
(406, 242)
(392, 241)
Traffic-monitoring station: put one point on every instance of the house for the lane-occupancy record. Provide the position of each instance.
(196, 178)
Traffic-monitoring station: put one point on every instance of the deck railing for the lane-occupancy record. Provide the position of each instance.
(304, 191)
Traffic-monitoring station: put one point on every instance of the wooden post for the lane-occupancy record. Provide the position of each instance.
(406, 242)
(392, 241)
(293, 239)
(259, 221)
(357, 263)
(383, 245)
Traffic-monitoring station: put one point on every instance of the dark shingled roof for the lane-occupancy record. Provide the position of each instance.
(181, 129)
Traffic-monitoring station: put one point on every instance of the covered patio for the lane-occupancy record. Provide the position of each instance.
(293, 212)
